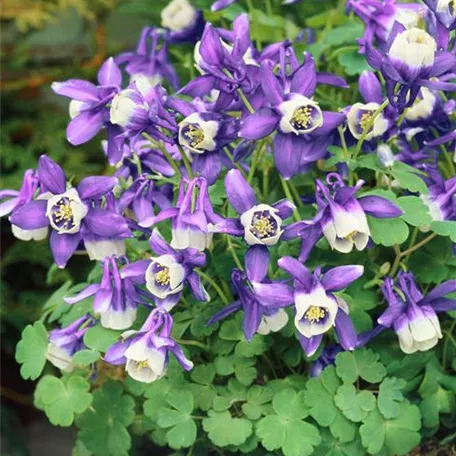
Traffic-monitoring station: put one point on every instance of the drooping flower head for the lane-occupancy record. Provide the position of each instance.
(261, 315)
(16, 199)
(341, 217)
(116, 299)
(89, 106)
(145, 353)
(185, 23)
(166, 275)
(192, 217)
(65, 342)
(412, 315)
(72, 214)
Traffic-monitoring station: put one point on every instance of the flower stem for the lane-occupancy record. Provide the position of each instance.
(186, 161)
(167, 155)
(214, 285)
(233, 253)
(193, 342)
(368, 126)
(237, 165)
(287, 192)
(449, 337)
(245, 101)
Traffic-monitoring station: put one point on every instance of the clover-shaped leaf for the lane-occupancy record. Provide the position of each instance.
(225, 430)
(389, 396)
(62, 398)
(363, 363)
(354, 406)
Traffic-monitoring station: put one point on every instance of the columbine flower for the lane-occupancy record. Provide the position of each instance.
(191, 226)
(116, 298)
(16, 199)
(184, 22)
(380, 17)
(304, 130)
(359, 115)
(317, 309)
(65, 342)
(385, 155)
(341, 217)
(166, 274)
(89, 108)
(412, 61)
(423, 107)
(72, 214)
(441, 200)
(150, 59)
(414, 316)
(145, 353)
(445, 12)
(258, 223)
(261, 315)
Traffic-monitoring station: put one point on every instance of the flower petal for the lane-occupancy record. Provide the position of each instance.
(310, 344)
(340, 277)
(31, 216)
(379, 207)
(257, 262)
(63, 246)
(77, 89)
(51, 175)
(96, 186)
(274, 294)
(296, 270)
(239, 192)
(84, 127)
(109, 73)
(105, 223)
(259, 125)
(345, 330)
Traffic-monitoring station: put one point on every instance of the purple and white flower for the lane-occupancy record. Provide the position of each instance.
(89, 106)
(166, 275)
(191, 226)
(65, 342)
(341, 217)
(261, 315)
(72, 214)
(317, 308)
(441, 199)
(15, 199)
(116, 298)
(412, 315)
(145, 353)
(184, 22)
(259, 224)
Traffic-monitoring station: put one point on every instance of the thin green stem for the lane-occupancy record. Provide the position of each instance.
(233, 253)
(449, 335)
(245, 101)
(194, 343)
(237, 165)
(287, 192)
(296, 195)
(368, 126)
(186, 161)
(214, 285)
(255, 161)
(167, 155)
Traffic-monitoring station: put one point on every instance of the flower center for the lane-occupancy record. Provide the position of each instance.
(162, 277)
(142, 365)
(302, 117)
(195, 135)
(263, 225)
(315, 314)
(351, 236)
(365, 120)
(62, 214)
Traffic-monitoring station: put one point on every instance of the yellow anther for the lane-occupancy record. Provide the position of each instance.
(351, 236)
(263, 226)
(196, 135)
(302, 117)
(64, 213)
(315, 314)
(365, 119)
(162, 277)
(142, 365)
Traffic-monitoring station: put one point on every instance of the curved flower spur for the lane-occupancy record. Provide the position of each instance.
(145, 353)
(260, 316)
(166, 275)
(317, 308)
(341, 217)
(72, 214)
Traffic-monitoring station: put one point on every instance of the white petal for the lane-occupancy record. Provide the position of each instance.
(117, 319)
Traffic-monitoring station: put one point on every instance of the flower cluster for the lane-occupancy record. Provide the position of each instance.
(246, 161)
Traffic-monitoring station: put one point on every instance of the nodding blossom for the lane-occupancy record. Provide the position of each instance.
(341, 217)
(184, 22)
(412, 315)
(145, 353)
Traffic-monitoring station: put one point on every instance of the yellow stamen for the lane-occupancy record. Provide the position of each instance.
(162, 277)
(351, 236)
(196, 135)
(315, 314)
(365, 119)
(142, 365)
(64, 213)
(263, 226)
(302, 117)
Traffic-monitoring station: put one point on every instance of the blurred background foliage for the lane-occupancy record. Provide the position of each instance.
(47, 40)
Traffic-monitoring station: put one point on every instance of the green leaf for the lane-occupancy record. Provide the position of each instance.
(257, 397)
(287, 430)
(319, 395)
(183, 432)
(400, 435)
(255, 347)
(353, 63)
(363, 363)
(245, 371)
(225, 430)
(345, 34)
(231, 331)
(55, 305)
(445, 228)
(343, 429)
(203, 374)
(31, 350)
(103, 426)
(354, 406)
(157, 394)
(442, 401)
(99, 338)
(63, 398)
(224, 365)
(85, 357)
(408, 180)
(389, 396)
(415, 211)
(388, 232)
